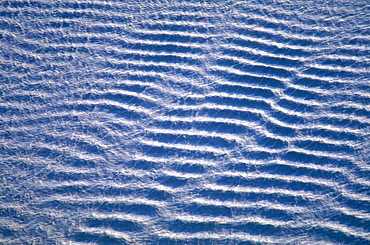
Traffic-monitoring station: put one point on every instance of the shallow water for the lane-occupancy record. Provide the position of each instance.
(184, 122)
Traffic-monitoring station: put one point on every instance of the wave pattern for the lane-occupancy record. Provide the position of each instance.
(184, 122)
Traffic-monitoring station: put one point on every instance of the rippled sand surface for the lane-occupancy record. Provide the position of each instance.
(184, 122)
